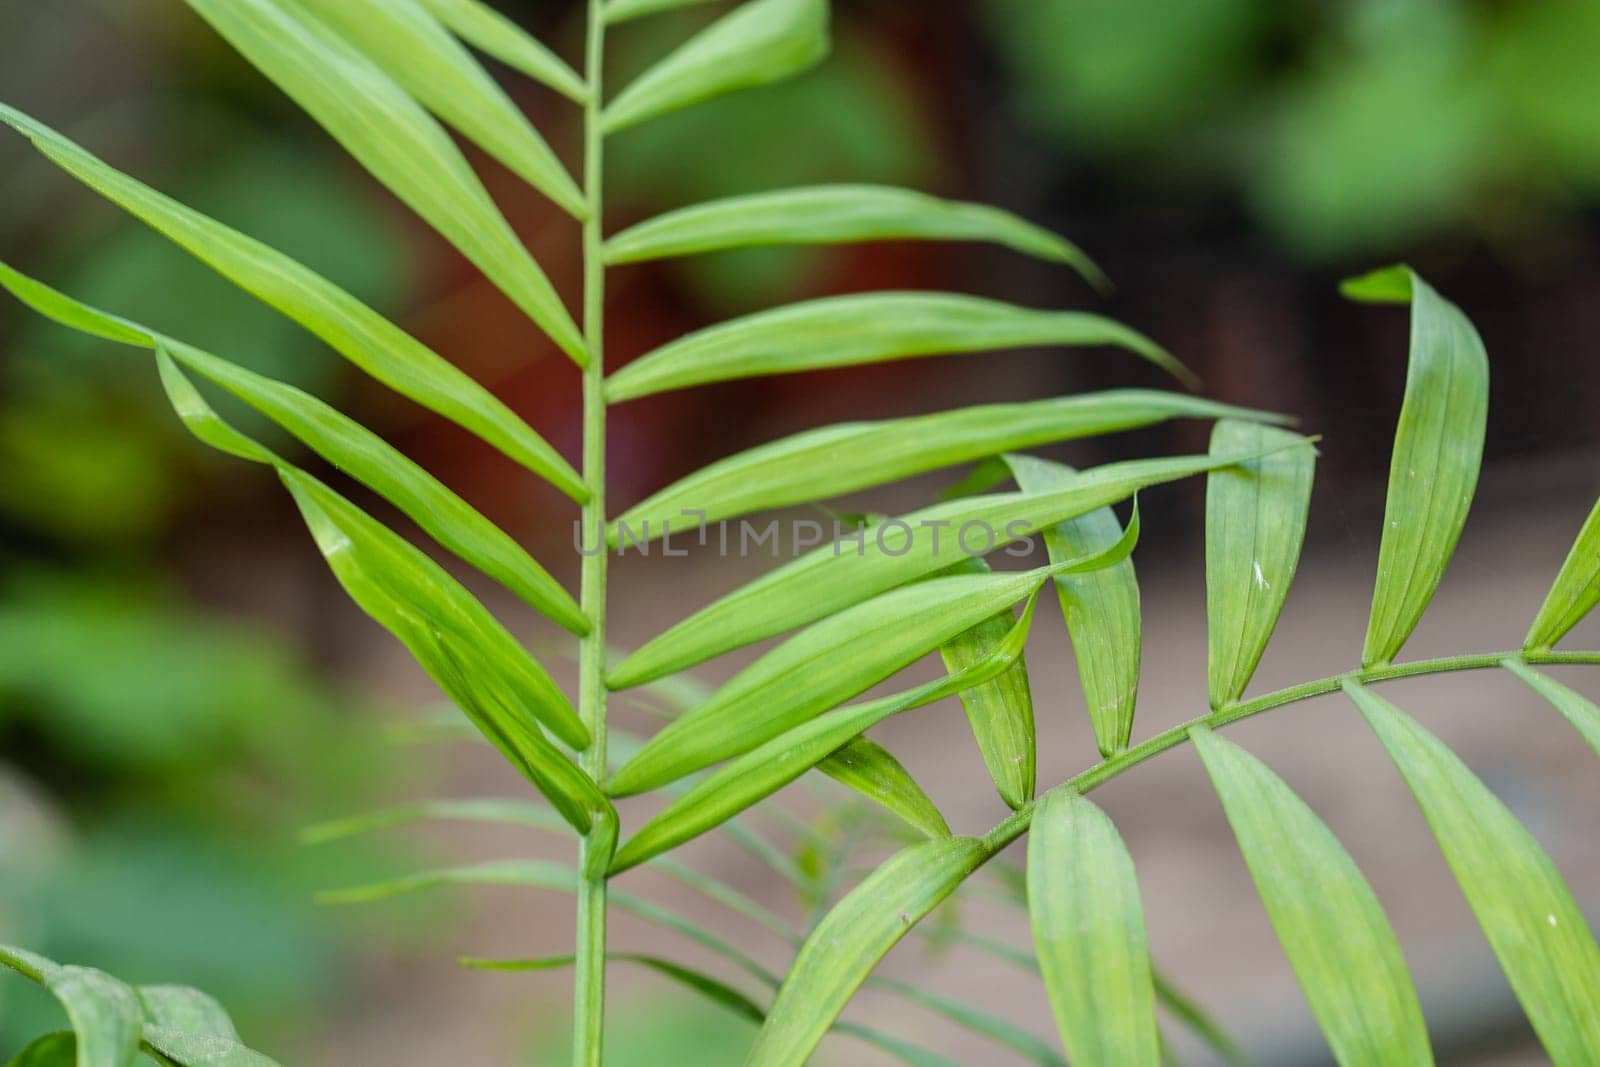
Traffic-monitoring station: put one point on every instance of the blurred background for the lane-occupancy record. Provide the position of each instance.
(182, 687)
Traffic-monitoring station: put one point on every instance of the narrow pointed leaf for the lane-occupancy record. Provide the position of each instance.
(1088, 930)
(759, 42)
(1101, 606)
(858, 932)
(769, 767)
(889, 554)
(1197, 1021)
(488, 810)
(493, 34)
(351, 328)
(474, 660)
(1537, 932)
(1345, 956)
(1000, 711)
(1024, 1042)
(406, 42)
(712, 989)
(1580, 711)
(836, 460)
(340, 440)
(871, 770)
(838, 214)
(1438, 447)
(104, 1012)
(1255, 524)
(176, 1007)
(394, 138)
(191, 1049)
(59, 1049)
(623, 10)
(842, 331)
(1576, 590)
(819, 669)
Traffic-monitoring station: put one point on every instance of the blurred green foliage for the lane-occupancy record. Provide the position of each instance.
(1347, 129)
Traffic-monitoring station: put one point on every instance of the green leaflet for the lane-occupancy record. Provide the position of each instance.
(464, 648)
(835, 460)
(508, 812)
(764, 770)
(1101, 607)
(623, 10)
(889, 554)
(1527, 913)
(1088, 930)
(340, 440)
(354, 330)
(1438, 447)
(1000, 711)
(841, 331)
(177, 1007)
(492, 33)
(838, 214)
(59, 1049)
(759, 42)
(1255, 524)
(104, 1012)
(852, 938)
(1576, 590)
(401, 144)
(1580, 711)
(1325, 914)
(1016, 1038)
(712, 989)
(410, 45)
(871, 770)
(202, 1050)
(819, 669)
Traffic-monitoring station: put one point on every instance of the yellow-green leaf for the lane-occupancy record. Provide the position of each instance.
(1101, 606)
(759, 42)
(1537, 932)
(1576, 590)
(349, 327)
(872, 770)
(1580, 711)
(492, 33)
(841, 331)
(1326, 916)
(1438, 447)
(858, 932)
(623, 10)
(410, 45)
(1255, 524)
(1088, 930)
(394, 138)
(838, 214)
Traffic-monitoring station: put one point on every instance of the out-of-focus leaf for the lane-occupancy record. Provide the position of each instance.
(1537, 932)
(190, 1049)
(1101, 606)
(104, 1012)
(176, 1007)
(401, 144)
(842, 331)
(623, 10)
(713, 989)
(351, 328)
(769, 767)
(1576, 590)
(819, 669)
(1255, 524)
(405, 40)
(343, 442)
(838, 214)
(59, 1049)
(888, 554)
(1197, 1020)
(1325, 914)
(852, 938)
(1580, 711)
(1088, 930)
(1438, 448)
(840, 459)
(491, 32)
(1002, 1031)
(1000, 711)
(871, 770)
(487, 809)
(759, 42)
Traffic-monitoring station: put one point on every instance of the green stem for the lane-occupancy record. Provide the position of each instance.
(589, 982)
(1017, 823)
